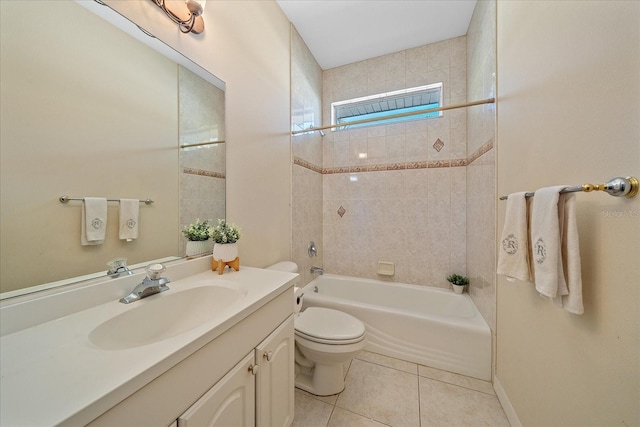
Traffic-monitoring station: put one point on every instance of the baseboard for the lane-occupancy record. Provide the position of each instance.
(506, 404)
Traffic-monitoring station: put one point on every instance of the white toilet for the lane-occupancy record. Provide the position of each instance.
(325, 340)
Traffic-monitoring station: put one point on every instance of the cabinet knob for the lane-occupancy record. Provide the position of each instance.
(268, 355)
(253, 369)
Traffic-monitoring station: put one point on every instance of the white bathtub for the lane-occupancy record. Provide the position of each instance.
(430, 326)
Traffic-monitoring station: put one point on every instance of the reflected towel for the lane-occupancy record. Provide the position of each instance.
(129, 209)
(513, 257)
(546, 235)
(94, 221)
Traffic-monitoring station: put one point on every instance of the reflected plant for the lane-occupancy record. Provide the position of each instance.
(198, 231)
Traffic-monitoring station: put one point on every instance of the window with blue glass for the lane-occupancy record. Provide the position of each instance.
(384, 106)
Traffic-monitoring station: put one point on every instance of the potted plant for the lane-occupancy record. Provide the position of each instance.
(197, 235)
(225, 237)
(458, 282)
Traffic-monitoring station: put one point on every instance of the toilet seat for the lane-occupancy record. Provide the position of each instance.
(328, 326)
(329, 341)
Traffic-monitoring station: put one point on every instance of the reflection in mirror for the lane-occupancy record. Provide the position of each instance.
(202, 151)
(88, 110)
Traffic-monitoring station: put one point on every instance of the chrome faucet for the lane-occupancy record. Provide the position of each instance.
(152, 284)
(318, 270)
(118, 267)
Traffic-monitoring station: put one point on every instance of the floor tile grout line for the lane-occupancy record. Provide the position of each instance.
(386, 367)
(428, 377)
(390, 367)
(451, 373)
(418, 367)
(457, 385)
(419, 402)
(420, 408)
(333, 409)
(359, 414)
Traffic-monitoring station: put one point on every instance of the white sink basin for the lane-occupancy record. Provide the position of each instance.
(164, 315)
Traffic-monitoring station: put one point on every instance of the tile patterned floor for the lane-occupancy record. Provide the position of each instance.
(382, 391)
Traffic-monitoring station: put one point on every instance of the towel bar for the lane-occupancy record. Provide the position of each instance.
(617, 187)
(66, 199)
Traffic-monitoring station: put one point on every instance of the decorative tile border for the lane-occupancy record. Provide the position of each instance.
(301, 162)
(202, 172)
(480, 151)
(398, 166)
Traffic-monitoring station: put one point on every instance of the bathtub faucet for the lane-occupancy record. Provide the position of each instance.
(318, 270)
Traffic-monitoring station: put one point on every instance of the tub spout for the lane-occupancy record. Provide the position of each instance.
(318, 270)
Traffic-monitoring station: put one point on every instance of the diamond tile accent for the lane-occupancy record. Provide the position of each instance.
(341, 211)
(438, 145)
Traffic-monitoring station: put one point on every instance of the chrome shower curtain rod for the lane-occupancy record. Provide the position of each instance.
(395, 116)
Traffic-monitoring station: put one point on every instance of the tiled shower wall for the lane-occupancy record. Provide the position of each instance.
(481, 186)
(306, 92)
(392, 192)
(202, 169)
(386, 192)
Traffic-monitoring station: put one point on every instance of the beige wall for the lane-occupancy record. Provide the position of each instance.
(246, 44)
(569, 113)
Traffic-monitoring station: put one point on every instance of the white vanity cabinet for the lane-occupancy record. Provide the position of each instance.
(216, 382)
(231, 402)
(275, 378)
(257, 391)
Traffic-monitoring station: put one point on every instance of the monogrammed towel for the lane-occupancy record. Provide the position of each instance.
(546, 235)
(513, 255)
(129, 210)
(94, 221)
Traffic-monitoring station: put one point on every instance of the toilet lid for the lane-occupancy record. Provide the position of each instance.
(328, 324)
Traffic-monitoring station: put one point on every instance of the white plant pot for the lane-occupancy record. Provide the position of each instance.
(225, 252)
(458, 289)
(198, 248)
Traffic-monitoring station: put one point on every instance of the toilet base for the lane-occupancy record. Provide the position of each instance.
(321, 380)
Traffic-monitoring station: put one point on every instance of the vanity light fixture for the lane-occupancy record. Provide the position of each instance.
(189, 18)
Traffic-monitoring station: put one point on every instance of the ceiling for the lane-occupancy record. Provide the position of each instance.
(340, 32)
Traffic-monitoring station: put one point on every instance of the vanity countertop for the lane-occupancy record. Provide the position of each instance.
(52, 372)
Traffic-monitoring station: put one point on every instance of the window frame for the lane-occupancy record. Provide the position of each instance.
(379, 96)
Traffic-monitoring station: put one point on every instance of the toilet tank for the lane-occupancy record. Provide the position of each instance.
(286, 266)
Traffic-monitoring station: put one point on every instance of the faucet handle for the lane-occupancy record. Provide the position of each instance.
(118, 267)
(155, 270)
(117, 263)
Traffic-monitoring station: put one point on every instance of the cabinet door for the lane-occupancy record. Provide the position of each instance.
(275, 379)
(231, 402)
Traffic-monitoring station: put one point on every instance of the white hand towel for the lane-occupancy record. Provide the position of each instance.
(129, 209)
(546, 235)
(571, 256)
(513, 257)
(94, 221)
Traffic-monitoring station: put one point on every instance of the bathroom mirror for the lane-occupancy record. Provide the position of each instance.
(89, 110)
